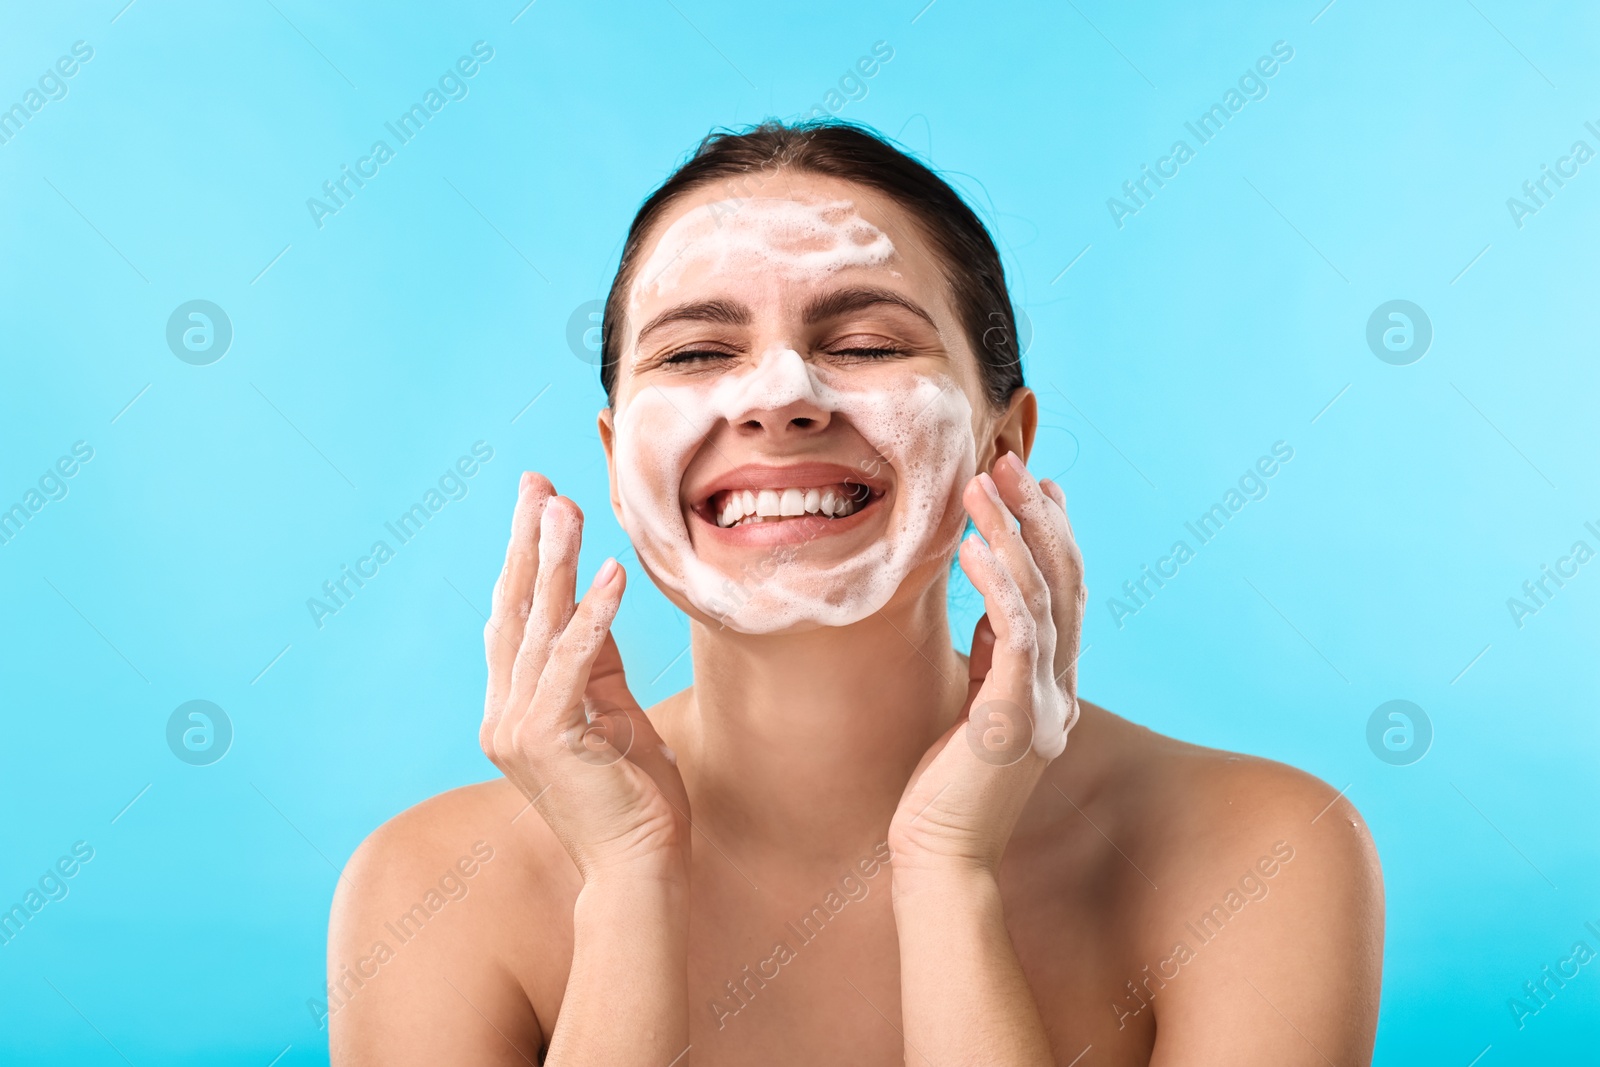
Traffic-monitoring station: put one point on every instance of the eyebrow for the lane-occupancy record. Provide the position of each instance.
(722, 312)
(828, 306)
(858, 298)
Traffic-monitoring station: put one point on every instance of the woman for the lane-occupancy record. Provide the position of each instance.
(846, 842)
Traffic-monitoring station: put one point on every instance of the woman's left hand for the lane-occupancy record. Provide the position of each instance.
(959, 809)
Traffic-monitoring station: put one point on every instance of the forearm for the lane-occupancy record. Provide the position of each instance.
(626, 1000)
(964, 998)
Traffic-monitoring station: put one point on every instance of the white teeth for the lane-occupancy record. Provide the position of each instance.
(747, 506)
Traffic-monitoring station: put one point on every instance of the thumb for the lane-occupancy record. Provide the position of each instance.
(981, 658)
(631, 730)
(608, 682)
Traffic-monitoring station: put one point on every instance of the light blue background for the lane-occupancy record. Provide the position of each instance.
(428, 313)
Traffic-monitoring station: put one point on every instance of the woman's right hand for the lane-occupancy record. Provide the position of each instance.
(559, 720)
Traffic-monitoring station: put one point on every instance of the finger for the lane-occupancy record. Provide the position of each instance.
(1054, 492)
(608, 687)
(994, 521)
(564, 687)
(1016, 641)
(1048, 534)
(508, 610)
(607, 679)
(560, 537)
(556, 714)
(980, 659)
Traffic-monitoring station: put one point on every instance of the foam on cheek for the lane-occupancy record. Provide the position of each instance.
(922, 425)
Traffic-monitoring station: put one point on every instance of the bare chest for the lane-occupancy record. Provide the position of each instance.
(783, 977)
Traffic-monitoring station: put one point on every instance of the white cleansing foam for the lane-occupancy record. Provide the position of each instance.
(923, 428)
(920, 424)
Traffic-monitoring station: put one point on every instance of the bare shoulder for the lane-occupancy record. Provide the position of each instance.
(454, 836)
(1220, 805)
(1191, 808)
(445, 930)
(1265, 899)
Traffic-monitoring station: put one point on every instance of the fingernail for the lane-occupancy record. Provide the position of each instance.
(1014, 461)
(989, 488)
(525, 482)
(608, 572)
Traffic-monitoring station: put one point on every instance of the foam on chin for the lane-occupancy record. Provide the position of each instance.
(922, 426)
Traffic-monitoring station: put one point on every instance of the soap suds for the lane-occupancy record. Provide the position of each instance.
(795, 238)
(919, 424)
(922, 427)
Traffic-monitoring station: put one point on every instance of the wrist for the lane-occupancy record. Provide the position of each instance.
(664, 867)
(622, 899)
(665, 878)
(941, 880)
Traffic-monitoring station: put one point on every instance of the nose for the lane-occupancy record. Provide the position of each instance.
(780, 397)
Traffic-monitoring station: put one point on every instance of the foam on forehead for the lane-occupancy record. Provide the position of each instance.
(798, 238)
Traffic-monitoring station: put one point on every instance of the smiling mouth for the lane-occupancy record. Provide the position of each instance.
(749, 507)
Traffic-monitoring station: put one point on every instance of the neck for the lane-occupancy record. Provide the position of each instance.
(800, 745)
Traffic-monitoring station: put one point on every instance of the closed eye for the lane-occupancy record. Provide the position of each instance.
(872, 352)
(694, 355)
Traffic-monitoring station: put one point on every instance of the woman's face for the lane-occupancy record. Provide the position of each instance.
(797, 408)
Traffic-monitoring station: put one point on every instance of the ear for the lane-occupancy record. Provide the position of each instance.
(1011, 431)
(606, 424)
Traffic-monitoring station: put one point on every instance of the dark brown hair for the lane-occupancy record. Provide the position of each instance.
(971, 264)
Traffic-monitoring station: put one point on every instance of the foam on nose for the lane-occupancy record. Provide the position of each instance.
(920, 424)
(782, 378)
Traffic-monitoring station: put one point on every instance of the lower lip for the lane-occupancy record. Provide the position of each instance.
(798, 529)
